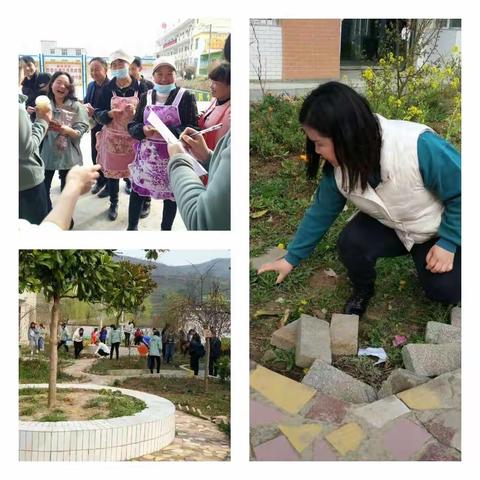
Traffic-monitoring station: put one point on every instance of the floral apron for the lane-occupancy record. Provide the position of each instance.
(115, 146)
(149, 170)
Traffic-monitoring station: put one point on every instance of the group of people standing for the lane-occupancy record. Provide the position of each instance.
(36, 338)
(124, 142)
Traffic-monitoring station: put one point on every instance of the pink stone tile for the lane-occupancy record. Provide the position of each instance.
(437, 452)
(322, 452)
(327, 409)
(277, 449)
(404, 438)
(263, 415)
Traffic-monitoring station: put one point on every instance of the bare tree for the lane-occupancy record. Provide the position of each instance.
(258, 67)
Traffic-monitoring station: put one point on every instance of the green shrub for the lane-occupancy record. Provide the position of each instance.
(428, 94)
(226, 346)
(274, 127)
(224, 427)
(223, 366)
(56, 415)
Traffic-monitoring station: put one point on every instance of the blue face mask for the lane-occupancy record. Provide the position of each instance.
(164, 89)
(120, 73)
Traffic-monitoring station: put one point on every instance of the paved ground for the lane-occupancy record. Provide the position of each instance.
(293, 421)
(196, 439)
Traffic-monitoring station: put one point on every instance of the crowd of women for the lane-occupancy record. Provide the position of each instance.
(118, 111)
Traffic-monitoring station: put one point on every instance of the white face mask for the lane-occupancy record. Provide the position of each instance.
(120, 73)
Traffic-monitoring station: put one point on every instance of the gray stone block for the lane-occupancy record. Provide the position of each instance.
(456, 317)
(431, 360)
(334, 382)
(400, 380)
(272, 255)
(344, 334)
(313, 341)
(285, 337)
(382, 411)
(437, 332)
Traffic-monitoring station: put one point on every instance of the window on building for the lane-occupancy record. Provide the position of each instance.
(78, 51)
(265, 21)
(442, 23)
(455, 23)
(64, 51)
(52, 51)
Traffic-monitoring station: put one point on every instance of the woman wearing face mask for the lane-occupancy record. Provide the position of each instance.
(219, 109)
(116, 109)
(61, 146)
(177, 108)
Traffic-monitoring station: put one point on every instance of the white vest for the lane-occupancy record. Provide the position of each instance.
(401, 200)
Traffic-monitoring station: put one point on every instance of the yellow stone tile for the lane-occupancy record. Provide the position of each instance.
(301, 436)
(347, 438)
(285, 393)
(420, 398)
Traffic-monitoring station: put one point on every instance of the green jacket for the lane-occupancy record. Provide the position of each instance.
(64, 159)
(203, 208)
(155, 347)
(115, 336)
(31, 167)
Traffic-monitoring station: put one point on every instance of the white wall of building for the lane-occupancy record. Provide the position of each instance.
(266, 49)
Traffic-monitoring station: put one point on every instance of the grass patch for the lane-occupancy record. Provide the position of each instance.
(117, 404)
(186, 391)
(36, 370)
(56, 415)
(399, 306)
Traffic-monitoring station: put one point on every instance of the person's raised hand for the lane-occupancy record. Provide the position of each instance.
(174, 148)
(439, 260)
(30, 110)
(89, 108)
(43, 114)
(149, 131)
(196, 144)
(81, 179)
(282, 267)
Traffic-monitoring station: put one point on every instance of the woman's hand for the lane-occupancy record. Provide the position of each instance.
(282, 267)
(30, 110)
(115, 113)
(174, 148)
(148, 131)
(196, 145)
(439, 260)
(67, 131)
(90, 109)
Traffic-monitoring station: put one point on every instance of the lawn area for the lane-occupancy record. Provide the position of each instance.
(186, 391)
(76, 405)
(399, 306)
(35, 370)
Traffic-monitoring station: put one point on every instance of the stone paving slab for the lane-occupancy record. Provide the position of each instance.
(346, 438)
(456, 317)
(381, 412)
(322, 451)
(431, 360)
(283, 392)
(441, 392)
(277, 449)
(313, 341)
(436, 452)
(271, 255)
(301, 436)
(438, 333)
(261, 414)
(285, 337)
(444, 425)
(344, 334)
(332, 381)
(326, 408)
(400, 380)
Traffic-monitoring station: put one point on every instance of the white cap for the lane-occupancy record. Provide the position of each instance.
(163, 61)
(120, 55)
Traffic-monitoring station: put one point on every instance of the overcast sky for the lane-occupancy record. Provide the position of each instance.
(181, 257)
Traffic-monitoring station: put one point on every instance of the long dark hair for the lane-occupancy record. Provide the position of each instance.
(338, 112)
(71, 90)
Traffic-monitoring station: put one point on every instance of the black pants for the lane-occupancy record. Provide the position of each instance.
(135, 208)
(48, 183)
(78, 347)
(33, 204)
(101, 180)
(365, 239)
(212, 366)
(194, 363)
(113, 188)
(102, 353)
(64, 343)
(152, 360)
(127, 339)
(115, 346)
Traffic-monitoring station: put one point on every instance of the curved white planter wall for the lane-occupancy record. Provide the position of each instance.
(111, 439)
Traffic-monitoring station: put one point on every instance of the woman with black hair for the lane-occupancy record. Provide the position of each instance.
(404, 179)
(61, 146)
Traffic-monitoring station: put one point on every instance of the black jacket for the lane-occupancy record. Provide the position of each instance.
(187, 110)
(35, 86)
(104, 106)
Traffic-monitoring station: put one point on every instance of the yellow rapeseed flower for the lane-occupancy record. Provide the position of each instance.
(368, 74)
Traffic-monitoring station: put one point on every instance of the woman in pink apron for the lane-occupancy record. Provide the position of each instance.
(116, 109)
(177, 108)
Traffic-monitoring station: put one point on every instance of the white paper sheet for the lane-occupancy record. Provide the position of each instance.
(161, 128)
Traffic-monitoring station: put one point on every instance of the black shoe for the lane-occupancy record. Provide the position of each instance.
(128, 187)
(113, 211)
(145, 210)
(97, 188)
(358, 302)
(104, 193)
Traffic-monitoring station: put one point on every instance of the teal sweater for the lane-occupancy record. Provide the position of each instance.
(155, 347)
(439, 165)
